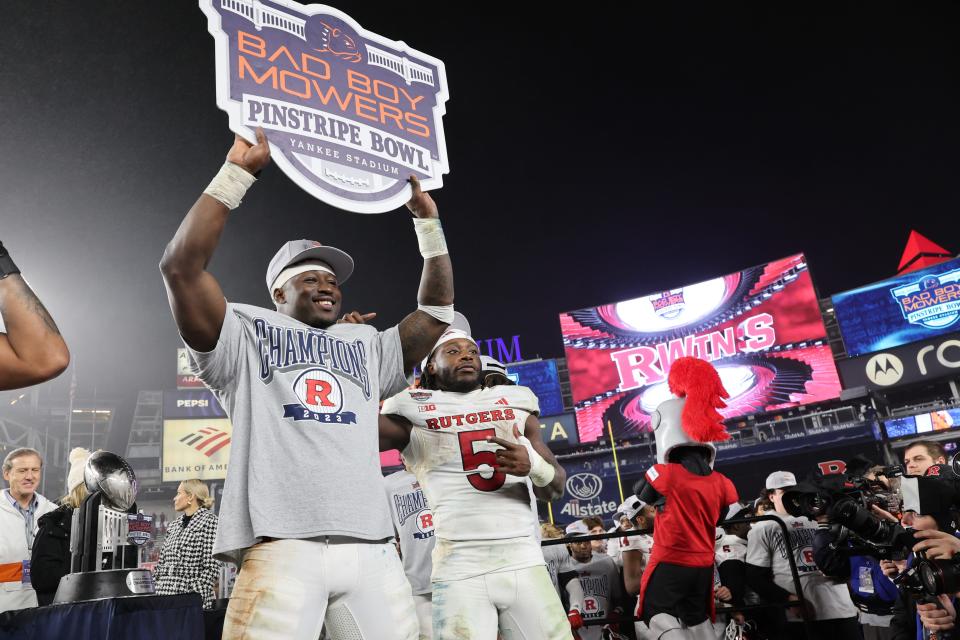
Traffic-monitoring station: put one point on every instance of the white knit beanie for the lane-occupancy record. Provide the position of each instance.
(78, 460)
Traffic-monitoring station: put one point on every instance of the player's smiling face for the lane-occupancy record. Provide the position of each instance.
(456, 365)
(312, 298)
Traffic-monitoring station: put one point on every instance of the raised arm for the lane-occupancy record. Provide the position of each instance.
(32, 350)
(194, 294)
(420, 330)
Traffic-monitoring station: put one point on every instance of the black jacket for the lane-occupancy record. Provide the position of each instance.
(51, 553)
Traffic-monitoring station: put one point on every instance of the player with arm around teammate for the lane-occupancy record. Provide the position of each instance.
(475, 452)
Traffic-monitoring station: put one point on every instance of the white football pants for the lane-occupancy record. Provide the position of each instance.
(288, 590)
(523, 604)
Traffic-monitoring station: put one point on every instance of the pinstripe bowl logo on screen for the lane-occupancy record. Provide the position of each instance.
(932, 301)
(349, 114)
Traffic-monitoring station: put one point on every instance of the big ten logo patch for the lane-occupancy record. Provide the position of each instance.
(424, 522)
(423, 408)
(321, 398)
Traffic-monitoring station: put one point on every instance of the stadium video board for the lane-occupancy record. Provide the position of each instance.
(542, 378)
(913, 306)
(760, 327)
(923, 423)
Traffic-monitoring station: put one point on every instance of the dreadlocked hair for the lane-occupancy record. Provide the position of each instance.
(427, 381)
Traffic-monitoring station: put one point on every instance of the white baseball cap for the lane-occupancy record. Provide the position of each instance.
(781, 480)
(300, 250)
(577, 528)
(733, 510)
(629, 509)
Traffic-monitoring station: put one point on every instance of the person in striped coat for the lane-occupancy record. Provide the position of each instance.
(186, 561)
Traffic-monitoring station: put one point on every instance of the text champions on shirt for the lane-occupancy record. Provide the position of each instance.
(288, 347)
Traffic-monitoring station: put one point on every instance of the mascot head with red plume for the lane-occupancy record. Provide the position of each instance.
(691, 418)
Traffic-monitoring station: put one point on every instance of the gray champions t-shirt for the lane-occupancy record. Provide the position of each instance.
(413, 521)
(304, 402)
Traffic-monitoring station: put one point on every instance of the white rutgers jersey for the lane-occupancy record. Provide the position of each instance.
(474, 508)
(730, 547)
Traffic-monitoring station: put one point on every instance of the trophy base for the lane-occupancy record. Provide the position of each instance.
(101, 585)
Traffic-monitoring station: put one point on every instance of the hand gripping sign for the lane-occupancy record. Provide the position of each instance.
(350, 115)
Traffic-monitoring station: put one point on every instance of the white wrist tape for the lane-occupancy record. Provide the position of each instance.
(230, 184)
(541, 471)
(430, 237)
(444, 314)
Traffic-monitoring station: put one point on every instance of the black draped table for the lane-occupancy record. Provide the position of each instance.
(177, 617)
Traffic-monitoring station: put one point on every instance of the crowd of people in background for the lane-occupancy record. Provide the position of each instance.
(35, 535)
(846, 592)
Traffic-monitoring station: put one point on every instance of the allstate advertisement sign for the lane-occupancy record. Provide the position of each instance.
(586, 494)
(349, 114)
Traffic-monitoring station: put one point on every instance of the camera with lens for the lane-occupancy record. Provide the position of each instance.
(845, 501)
(927, 577)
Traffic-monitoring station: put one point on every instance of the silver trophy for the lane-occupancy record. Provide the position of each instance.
(106, 536)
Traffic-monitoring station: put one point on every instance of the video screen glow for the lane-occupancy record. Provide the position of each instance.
(761, 327)
(914, 306)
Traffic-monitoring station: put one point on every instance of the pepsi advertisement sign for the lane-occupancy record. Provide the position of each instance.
(188, 405)
(761, 328)
(914, 306)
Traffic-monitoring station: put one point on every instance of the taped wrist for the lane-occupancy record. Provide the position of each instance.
(444, 314)
(430, 237)
(230, 185)
(7, 266)
(541, 471)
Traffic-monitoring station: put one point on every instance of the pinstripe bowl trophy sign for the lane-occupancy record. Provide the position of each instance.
(350, 115)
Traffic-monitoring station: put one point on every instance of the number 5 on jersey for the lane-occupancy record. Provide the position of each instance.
(473, 459)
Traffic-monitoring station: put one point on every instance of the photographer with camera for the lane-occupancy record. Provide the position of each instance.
(768, 571)
(929, 579)
(872, 592)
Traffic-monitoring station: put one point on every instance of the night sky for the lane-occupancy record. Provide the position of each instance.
(593, 158)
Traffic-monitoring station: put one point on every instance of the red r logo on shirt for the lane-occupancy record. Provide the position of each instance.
(318, 392)
(426, 521)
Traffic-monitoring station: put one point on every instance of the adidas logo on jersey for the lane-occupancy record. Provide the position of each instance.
(502, 401)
